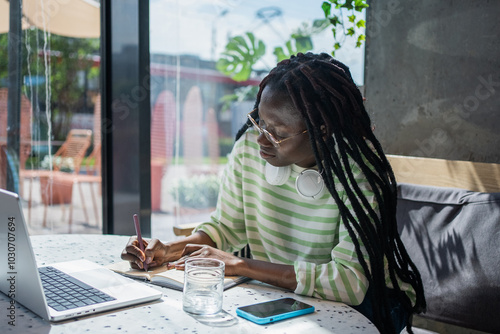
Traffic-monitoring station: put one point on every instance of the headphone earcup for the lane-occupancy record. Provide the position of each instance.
(310, 184)
(277, 176)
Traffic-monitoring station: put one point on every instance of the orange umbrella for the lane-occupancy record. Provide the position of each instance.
(70, 18)
(4, 17)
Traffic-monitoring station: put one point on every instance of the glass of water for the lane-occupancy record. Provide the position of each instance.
(203, 286)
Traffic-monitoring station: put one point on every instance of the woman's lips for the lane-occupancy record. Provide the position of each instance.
(265, 154)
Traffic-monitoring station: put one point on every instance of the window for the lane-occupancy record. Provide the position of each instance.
(55, 162)
(194, 104)
(198, 106)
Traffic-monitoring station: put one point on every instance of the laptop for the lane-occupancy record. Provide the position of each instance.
(91, 287)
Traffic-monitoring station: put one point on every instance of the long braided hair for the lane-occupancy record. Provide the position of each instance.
(323, 91)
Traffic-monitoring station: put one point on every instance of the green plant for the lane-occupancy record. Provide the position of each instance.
(245, 93)
(64, 62)
(243, 52)
(301, 39)
(64, 164)
(199, 191)
(352, 27)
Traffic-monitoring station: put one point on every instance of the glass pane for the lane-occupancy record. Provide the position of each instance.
(196, 108)
(60, 138)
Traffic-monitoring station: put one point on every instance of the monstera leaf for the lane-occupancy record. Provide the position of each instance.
(302, 44)
(301, 39)
(241, 53)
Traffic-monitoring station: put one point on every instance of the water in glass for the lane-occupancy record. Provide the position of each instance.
(203, 286)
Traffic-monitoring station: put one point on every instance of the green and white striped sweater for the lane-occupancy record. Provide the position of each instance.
(282, 227)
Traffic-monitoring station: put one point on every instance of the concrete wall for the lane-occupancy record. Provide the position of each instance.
(432, 77)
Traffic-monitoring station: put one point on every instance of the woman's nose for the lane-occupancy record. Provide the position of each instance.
(263, 141)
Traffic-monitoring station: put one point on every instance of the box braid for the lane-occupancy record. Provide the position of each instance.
(322, 89)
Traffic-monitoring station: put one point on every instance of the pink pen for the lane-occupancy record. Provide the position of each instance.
(139, 237)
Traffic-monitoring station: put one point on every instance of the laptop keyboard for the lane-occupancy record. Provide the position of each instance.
(64, 292)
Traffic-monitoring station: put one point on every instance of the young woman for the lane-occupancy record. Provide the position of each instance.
(311, 192)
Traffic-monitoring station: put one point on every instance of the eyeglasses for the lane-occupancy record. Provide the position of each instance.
(268, 134)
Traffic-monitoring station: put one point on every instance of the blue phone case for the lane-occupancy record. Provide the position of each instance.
(278, 309)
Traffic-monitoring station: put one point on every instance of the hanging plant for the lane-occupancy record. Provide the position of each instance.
(351, 28)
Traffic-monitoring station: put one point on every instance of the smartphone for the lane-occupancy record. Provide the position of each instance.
(274, 310)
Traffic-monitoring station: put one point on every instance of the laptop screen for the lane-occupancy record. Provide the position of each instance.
(19, 278)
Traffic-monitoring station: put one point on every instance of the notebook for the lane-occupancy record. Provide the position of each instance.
(20, 279)
(169, 278)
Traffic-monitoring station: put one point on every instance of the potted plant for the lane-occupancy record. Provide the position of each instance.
(196, 194)
(56, 185)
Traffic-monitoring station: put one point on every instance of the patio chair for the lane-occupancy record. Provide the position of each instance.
(92, 174)
(73, 151)
(91, 177)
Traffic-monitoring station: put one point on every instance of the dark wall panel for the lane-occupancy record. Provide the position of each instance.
(432, 78)
(126, 124)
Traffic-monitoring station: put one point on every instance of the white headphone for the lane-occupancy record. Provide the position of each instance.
(309, 183)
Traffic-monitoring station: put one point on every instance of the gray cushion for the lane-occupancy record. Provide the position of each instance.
(453, 237)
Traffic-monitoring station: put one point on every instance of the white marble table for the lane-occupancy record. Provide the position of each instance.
(166, 315)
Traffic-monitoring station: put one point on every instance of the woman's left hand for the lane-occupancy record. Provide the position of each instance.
(203, 251)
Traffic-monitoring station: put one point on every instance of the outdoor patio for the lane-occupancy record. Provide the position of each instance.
(162, 221)
(58, 215)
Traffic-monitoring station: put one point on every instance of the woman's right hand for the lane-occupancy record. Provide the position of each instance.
(155, 253)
